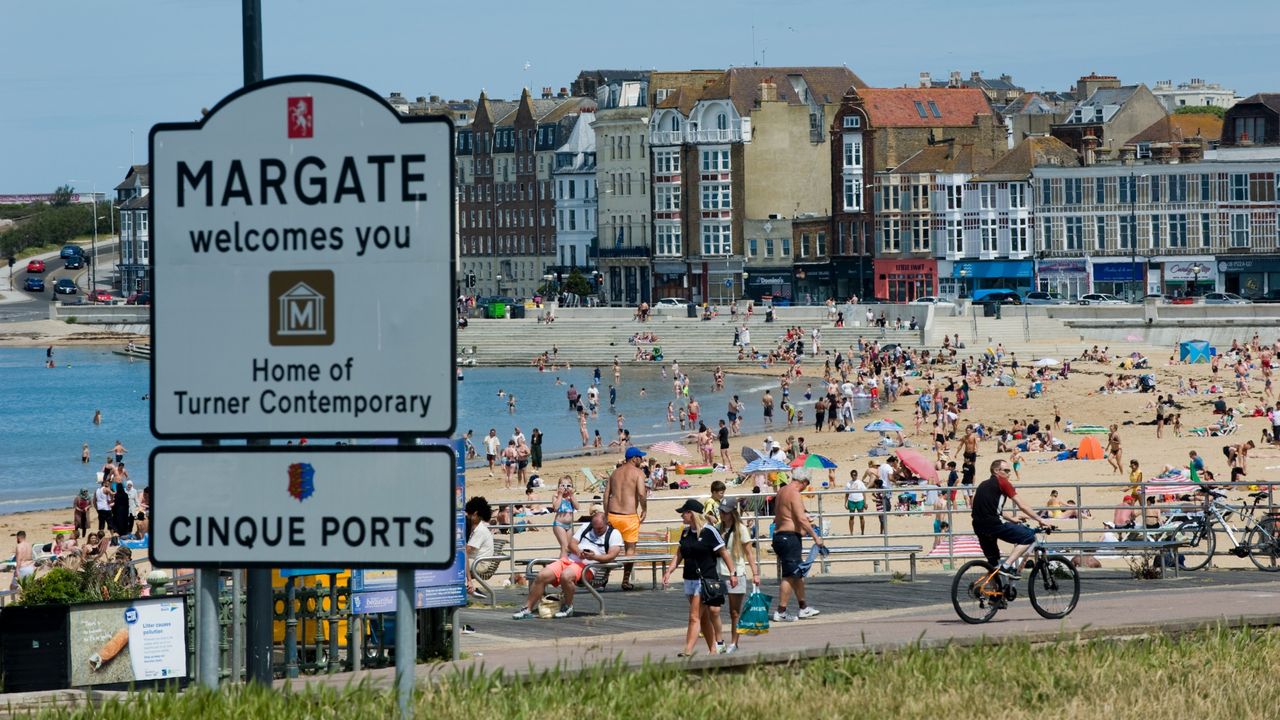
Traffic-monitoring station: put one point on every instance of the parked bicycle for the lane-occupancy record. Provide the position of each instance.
(1258, 540)
(978, 591)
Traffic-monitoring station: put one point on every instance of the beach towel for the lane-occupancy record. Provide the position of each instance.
(962, 545)
(815, 550)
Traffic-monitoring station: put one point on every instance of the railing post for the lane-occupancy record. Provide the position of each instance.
(334, 618)
(290, 629)
(237, 626)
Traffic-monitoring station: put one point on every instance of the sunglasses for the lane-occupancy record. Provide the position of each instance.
(1004, 470)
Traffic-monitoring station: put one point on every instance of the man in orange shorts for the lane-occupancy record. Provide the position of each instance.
(590, 543)
(624, 500)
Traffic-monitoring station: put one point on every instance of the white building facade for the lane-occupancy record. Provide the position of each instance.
(574, 184)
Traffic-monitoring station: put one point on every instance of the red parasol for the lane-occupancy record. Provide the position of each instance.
(918, 464)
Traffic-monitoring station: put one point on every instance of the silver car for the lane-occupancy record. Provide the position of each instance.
(1100, 299)
(1225, 298)
(1038, 297)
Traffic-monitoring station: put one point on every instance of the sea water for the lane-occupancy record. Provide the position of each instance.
(47, 414)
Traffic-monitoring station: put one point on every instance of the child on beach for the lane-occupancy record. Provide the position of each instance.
(566, 506)
(671, 413)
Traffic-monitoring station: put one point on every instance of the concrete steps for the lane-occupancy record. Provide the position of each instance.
(598, 341)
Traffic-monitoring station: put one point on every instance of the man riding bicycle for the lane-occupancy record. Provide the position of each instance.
(989, 520)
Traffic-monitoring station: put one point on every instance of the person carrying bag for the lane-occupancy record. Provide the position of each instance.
(700, 544)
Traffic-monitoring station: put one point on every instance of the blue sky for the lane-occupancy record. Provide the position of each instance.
(83, 81)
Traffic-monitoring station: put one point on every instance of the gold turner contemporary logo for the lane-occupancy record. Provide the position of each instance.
(301, 307)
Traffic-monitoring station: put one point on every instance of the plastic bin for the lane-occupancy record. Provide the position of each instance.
(517, 311)
(693, 310)
(497, 310)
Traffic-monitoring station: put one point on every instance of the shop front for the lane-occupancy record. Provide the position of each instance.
(1015, 275)
(902, 281)
(1067, 278)
(1124, 279)
(671, 280)
(1188, 276)
(812, 283)
(852, 277)
(766, 284)
(1249, 277)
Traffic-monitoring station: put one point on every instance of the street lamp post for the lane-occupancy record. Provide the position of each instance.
(1196, 269)
(1133, 230)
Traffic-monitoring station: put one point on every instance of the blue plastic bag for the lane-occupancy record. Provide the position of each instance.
(755, 613)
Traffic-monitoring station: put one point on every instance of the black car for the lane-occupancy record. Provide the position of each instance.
(64, 286)
(74, 262)
(70, 250)
(1270, 296)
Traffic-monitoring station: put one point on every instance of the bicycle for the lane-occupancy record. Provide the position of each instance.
(1258, 541)
(1053, 586)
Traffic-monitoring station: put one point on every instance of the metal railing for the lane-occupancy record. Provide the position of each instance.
(826, 508)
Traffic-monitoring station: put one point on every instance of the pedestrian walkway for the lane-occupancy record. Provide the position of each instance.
(858, 614)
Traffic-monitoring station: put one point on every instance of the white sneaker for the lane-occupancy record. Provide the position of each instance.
(808, 612)
(779, 617)
(720, 648)
(524, 614)
(565, 612)
(731, 650)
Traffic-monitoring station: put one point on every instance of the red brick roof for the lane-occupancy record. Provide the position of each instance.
(897, 107)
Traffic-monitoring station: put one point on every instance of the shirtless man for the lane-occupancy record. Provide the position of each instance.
(625, 503)
(790, 519)
(767, 403)
(969, 446)
(24, 562)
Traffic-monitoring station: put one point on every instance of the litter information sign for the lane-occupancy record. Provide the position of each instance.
(303, 506)
(303, 275)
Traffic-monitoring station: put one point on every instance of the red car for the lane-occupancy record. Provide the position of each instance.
(35, 266)
(101, 296)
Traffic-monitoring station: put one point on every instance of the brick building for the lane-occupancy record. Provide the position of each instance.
(876, 129)
(506, 202)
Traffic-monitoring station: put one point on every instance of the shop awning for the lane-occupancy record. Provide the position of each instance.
(992, 269)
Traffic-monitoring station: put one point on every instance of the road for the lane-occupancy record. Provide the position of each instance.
(35, 307)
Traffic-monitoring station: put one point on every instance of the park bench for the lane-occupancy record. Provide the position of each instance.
(484, 567)
(889, 552)
(599, 572)
(1121, 547)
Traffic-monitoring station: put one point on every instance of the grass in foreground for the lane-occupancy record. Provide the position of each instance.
(1223, 673)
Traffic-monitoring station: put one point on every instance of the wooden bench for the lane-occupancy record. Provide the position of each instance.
(1116, 548)
(600, 572)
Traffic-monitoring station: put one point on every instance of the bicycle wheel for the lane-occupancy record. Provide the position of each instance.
(1054, 587)
(969, 593)
(1264, 545)
(1198, 544)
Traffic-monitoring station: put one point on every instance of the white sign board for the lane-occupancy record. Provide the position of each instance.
(303, 506)
(302, 247)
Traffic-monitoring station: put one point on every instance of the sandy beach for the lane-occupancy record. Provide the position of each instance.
(1077, 398)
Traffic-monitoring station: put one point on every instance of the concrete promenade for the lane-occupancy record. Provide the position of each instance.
(858, 614)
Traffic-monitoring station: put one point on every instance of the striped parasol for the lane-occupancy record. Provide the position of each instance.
(814, 460)
(670, 447)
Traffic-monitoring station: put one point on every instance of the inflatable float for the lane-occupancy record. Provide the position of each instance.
(693, 469)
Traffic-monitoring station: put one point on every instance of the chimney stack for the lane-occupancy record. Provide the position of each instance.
(564, 93)
(546, 92)
(955, 79)
(925, 80)
(768, 90)
(435, 98)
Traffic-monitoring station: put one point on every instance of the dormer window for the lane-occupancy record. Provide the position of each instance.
(852, 122)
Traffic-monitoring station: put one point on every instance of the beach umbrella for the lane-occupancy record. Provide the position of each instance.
(918, 464)
(749, 453)
(1046, 362)
(814, 460)
(669, 447)
(766, 465)
(882, 426)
